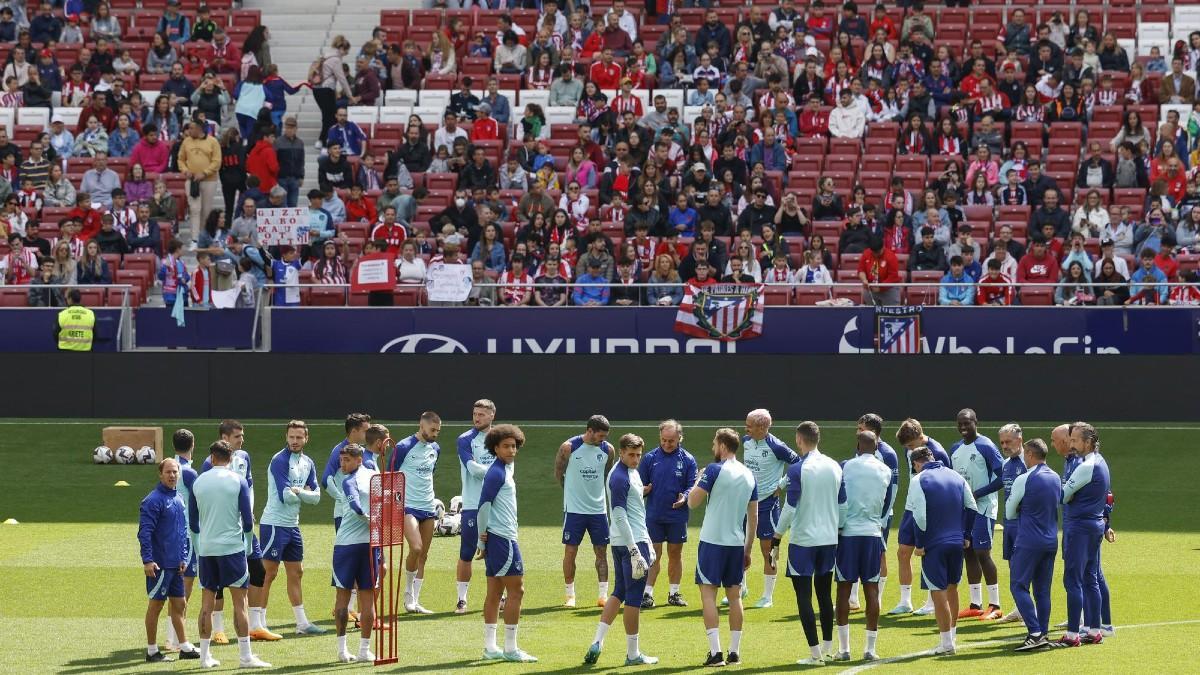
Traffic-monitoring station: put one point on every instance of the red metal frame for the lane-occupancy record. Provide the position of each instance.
(387, 537)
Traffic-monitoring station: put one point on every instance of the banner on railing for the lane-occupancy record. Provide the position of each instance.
(721, 311)
(898, 329)
(373, 272)
(448, 283)
(794, 330)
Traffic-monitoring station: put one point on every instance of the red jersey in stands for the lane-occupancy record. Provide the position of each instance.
(89, 219)
(485, 129)
(881, 269)
(393, 234)
(1184, 295)
(645, 250)
(814, 124)
(1039, 270)
(613, 214)
(18, 269)
(361, 210)
(994, 290)
(630, 103)
(201, 287)
(605, 77)
(76, 244)
(515, 289)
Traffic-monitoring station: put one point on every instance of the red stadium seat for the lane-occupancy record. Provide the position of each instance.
(1037, 295)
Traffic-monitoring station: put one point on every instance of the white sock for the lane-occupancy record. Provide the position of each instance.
(735, 641)
(462, 590)
(947, 640)
(854, 594)
(171, 637)
(976, 594)
(364, 645)
(187, 647)
(489, 637)
(906, 595)
(341, 644)
(631, 646)
(674, 588)
(571, 590)
(253, 617)
(882, 584)
(204, 648)
(953, 635)
(768, 586)
(417, 584)
(301, 617)
(928, 602)
(872, 635)
(218, 621)
(510, 638)
(410, 579)
(601, 632)
(353, 604)
(826, 646)
(603, 590)
(714, 640)
(843, 638)
(650, 591)
(244, 648)
(815, 652)
(994, 594)
(151, 650)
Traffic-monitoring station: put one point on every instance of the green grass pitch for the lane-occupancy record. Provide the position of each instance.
(72, 591)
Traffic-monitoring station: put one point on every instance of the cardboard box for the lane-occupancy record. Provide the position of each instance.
(134, 437)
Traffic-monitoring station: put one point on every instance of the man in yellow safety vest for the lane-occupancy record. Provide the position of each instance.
(76, 324)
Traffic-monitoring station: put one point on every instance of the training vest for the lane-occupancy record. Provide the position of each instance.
(75, 326)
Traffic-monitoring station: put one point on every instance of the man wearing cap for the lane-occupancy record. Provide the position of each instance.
(175, 25)
(348, 134)
(626, 101)
(485, 128)
(847, 119)
(591, 288)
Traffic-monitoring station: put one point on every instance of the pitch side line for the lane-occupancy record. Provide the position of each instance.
(992, 643)
(534, 425)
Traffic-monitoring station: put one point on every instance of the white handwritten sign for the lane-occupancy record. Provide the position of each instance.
(283, 226)
(448, 283)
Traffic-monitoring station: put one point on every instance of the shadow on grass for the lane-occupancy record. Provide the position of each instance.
(120, 658)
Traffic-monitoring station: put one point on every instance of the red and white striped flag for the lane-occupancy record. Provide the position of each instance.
(721, 311)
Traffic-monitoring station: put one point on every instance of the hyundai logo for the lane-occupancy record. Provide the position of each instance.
(424, 343)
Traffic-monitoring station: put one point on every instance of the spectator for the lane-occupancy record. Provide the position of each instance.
(200, 160)
(511, 56)
(34, 241)
(163, 205)
(477, 174)
(366, 87)
(1185, 295)
(36, 168)
(668, 289)
(1075, 287)
(956, 288)
(551, 288)
(1177, 86)
(263, 161)
(94, 270)
(878, 269)
(58, 193)
(995, 288)
(1095, 172)
(349, 135)
(161, 56)
(92, 141)
(516, 287)
(591, 287)
(1039, 266)
(713, 30)
(1049, 212)
(533, 202)
(99, 181)
(1165, 260)
(330, 270)
(329, 78)
(39, 294)
(855, 237)
(123, 139)
(847, 119)
(333, 170)
(928, 255)
(813, 272)
(827, 205)
(490, 249)
(19, 266)
(1148, 283)
(751, 267)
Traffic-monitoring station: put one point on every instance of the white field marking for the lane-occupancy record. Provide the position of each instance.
(992, 643)
(531, 425)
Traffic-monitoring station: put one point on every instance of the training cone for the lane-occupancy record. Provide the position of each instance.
(11, 521)
(120, 483)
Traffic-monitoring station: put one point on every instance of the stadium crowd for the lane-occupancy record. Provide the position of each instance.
(967, 154)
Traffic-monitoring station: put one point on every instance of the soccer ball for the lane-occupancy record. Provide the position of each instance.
(102, 455)
(125, 455)
(145, 455)
(439, 509)
(448, 525)
(456, 504)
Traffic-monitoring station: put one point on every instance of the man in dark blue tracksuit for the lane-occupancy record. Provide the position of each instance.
(1032, 504)
(1085, 503)
(669, 471)
(165, 550)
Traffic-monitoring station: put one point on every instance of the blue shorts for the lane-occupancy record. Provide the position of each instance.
(769, 510)
(942, 566)
(255, 548)
(858, 559)
(282, 543)
(224, 571)
(625, 588)
(354, 565)
(667, 529)
(981, 533)
(420, 514)
(906, 535)
(193, 565)
(810, 561)
(502, 557)
(718, 565)
(1010, 538)
(469, 536)
(575, 524)
(168, 583)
